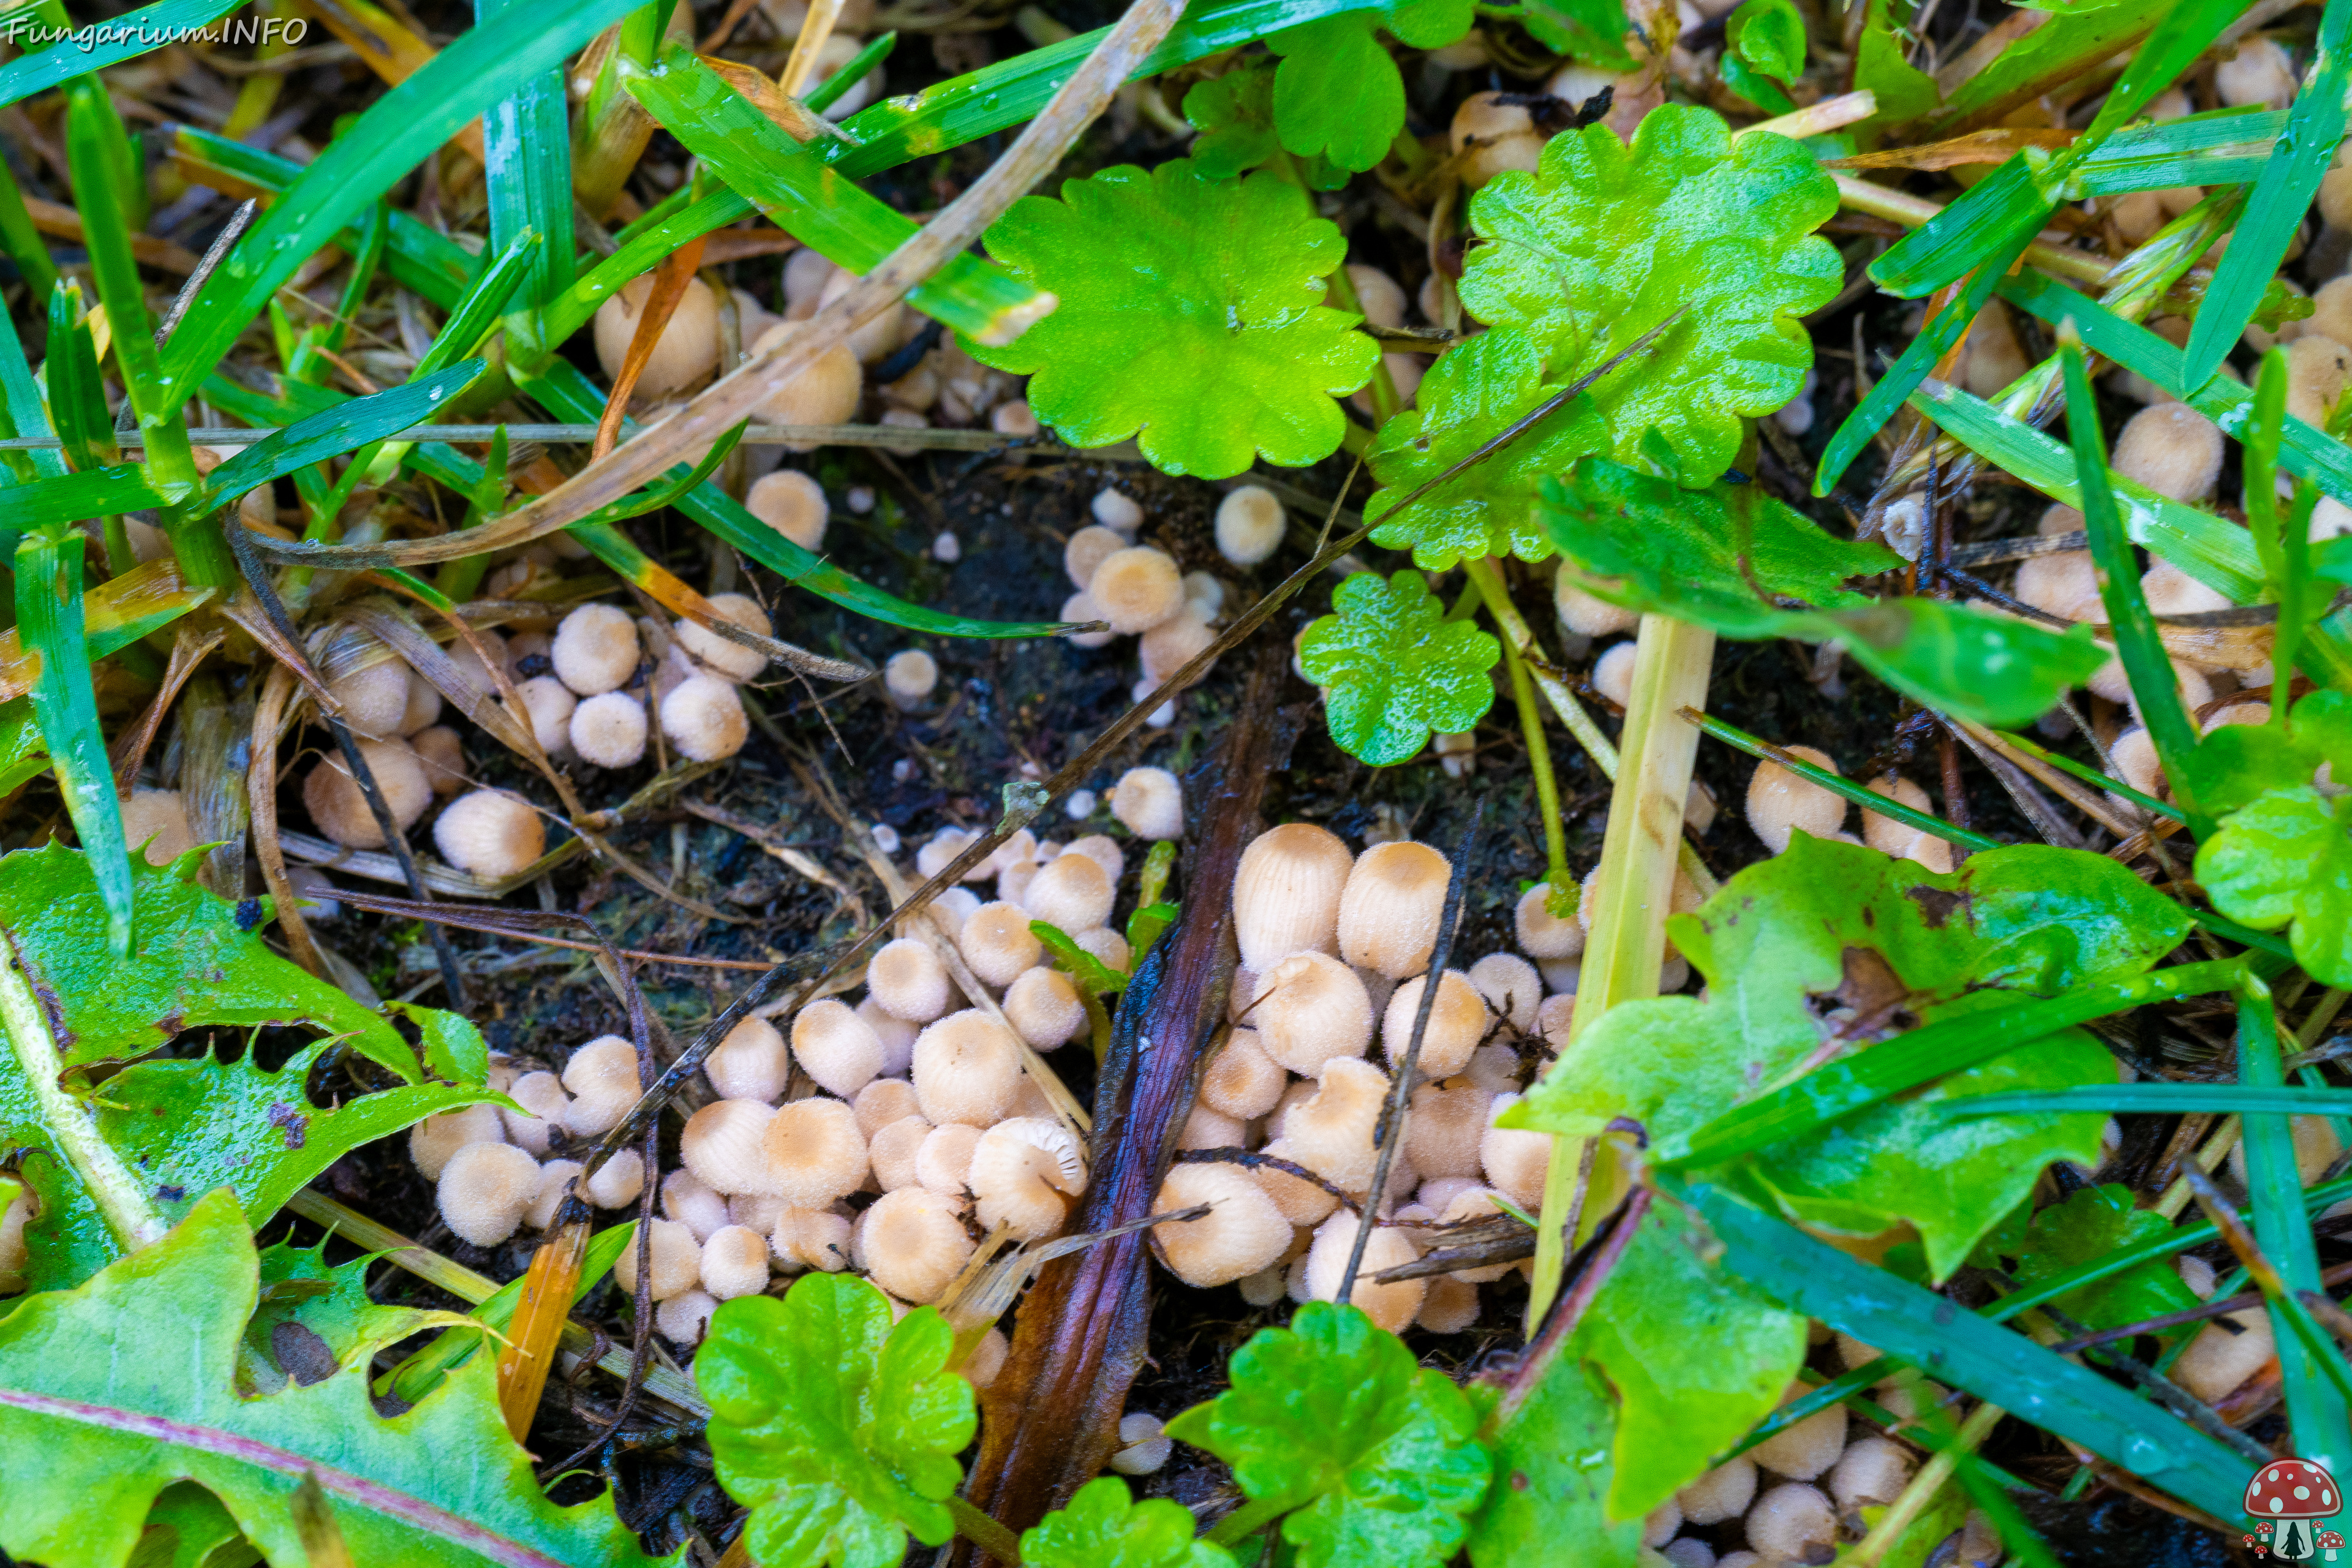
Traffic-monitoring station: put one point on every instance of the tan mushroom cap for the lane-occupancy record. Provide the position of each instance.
(907, 981)
(687, 349)
(488, 833)
(1243, 1231)
(792, 503)
(1045, 1009)
(1151, 802)
(595, 649)
(912, 1242)
(716, 653)
(893, 1151)
(1389, 909)
(835, 1047)
(1299, 1201)
(685, 1198)
(998, 944)
(1287, 893)
(338, 807)
(617, 1182)
(1780, 802)
(484, 1190)
(603, 1077)
(722, 1146)
(677, 1260)
(883, 1102)
(543, 1103)
(1330, 1132)
(1393, 1306)
(1511, 987)
(811, 1238)
(967, 1068)
(1446, 1127)
(943, 1159)
(750, 1063)
(432, 1140)
(1135, 589)
(1514, 1160)
(157, 818)
(1071, 892)
(703, 718)
(814, 1153)
(826, 394)
(609, 730)
(734, 1263)
(1312, 1009)
(1023, 1171)
(1458, 1020)
(1241, 1079)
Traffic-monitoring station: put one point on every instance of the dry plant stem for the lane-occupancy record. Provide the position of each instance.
(2207, 1161)
(189, 647)
(1932, 1479)
(261, 791)
(2067, 789)
(1880, 201)
(538, 1320)
(814, 31)
(1389, 1133)
(1528, 1376)
(670, 279)
(1638, 855)
(1817, 119)
(985, 1532)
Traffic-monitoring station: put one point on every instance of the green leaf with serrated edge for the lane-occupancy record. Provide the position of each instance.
(2088, 1225)
(1592, 30)
(1551, 1469)
(1102, 1528)
(1372, 1459)
(2285, 860)
(112, 1391)
(1829, 924)
(1695, 1356)
(1234, 116)
(1604, 242)
(1469, 397)
(305, 1299)
(1190, 317)
(453, 1049)
(1397, 669)
(1338, 93)
(1770, 36)
(836, 1430)
(383, 146)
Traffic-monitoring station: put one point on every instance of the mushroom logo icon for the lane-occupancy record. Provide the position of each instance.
(2289, 1494)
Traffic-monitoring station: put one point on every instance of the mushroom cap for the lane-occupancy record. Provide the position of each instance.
(1205, 1127)
(1393, 1307)
(1243, 1231)
(1787, 1521)
(967, 1068)
(1078, 610)
(677, 1259)
(618, 1181)
(893, 1151)
(2218, 1361)
(1447, 1124)
(722, 1146)
(1724, 1492)
(547, 705)
(1585, 614)
(1493, 133)
(685, 1318)
(815, 1153)
(835, 1047)
(603, 1077)
(1310, 1010)
(1071, 892)
(732, 660)
(1174, 643)
(998, 944)
(1022, 1171)
(1241, 1081)
(543, 1103)
(1301, 1203)
(1780, 802)
(1612, 673)
(1390, 906)
(941, 849)
(811, 1238)
(1511, 987)
(484, 1190)
(883, 1102)
(1806, 1449)
(906, 980)
(734, 1262)
(1458, 1022)
(828, 393)
(685, 1199)
(489, 833)
(424, 706)
(1249, 525)
(943, 1159)
(704, 719)
(1103, 850)
(1884, 833)
(2172, 449)
(1045, 1009)
(339, 810)
(1135, 589)
(1117, 510)
(554, 1182)
(1514, 1160)
(910, 675)
(750, 1063)
(912, 1242)
(157, 818)
(595, 649)
(793, 504)
(687, 349)
(1874, 1470)
(374, 698)
(609, 730)
(1287, 893)
(442, 755)
(432, 1140)
(1105, 946)
(1089, 547)
(1449, 1307)
(877, 338)
(1330, 1132)
(1150, 801)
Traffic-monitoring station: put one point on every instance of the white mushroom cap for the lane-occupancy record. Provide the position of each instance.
(877, 338)
(941, 848)
(883, 1102)
(1446, 1127)
(1330, 1132)
(1174, 643)
(1724, 1492)
(603, 1077)
(687, 349)
(609, 730)
(1135, 589)
(1806, 1449)
(1780, 802)
(1105, 946)
(1021, 1170)
(906, 980)
(1494, 132)
(489, 833)
(893, 1152)
(835, 1047)
(685, 1199)
(1884, 833)
(432, 1140)
(618, 1181)
(792, 503)
(1514, 1160)
(1205, 1127)
(1045, 1009)
(595, 649)
(554, 1182)
(1114, 509)
(1287, 893)
(1310, 1010)
(685, 1318)
(912, 1242)
(1070, 892)
(815, 1153)
(1241, 1079)
(722, 1146)
(704, 719)
(1393, 1307)
(750, 1063)
(374, 698)
(1789, 1522)
(1103, 850)
(1249, 525)
(157, 818)
(1874, 1470)
(1150, 801)
(825, 394)
(998, 944)
(730, 661)
(811, 1238)
(1389, 911)
(484, 1190)
(339, 811)
(547, 705)
(1583, 615)
(910, 677)
(1243, 1231)
(1458, 1022)
(677, 1260)
(1089, 547)
(2172, 449)
(734, 1262)
(1452, 1306)
(1511, 987)
(943, 1159)
(442, 756)
(543, 1103)
(967, 1068)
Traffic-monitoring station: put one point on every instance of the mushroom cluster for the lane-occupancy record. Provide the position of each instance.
(1335, 953)
(1139, 592)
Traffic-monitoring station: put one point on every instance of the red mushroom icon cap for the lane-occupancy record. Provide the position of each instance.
(2330, 1540)
(2293, 1489)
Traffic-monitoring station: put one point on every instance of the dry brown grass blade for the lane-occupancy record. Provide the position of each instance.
(269, 719)
(60, 222)
(717, 40)
(529, 1354)
(814, 30)
(189, 647)
(670, 279)
(1981, 147)
(784, 111)
(314, 1523)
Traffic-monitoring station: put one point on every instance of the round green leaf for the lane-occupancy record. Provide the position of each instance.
(1605, 241)
(1234, 115)
(2285, 859)
(1338, 93)
(1190, 317)
(1101, 1529)
(1397, 669)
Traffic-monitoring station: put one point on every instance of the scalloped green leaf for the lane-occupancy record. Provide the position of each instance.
(1234, 116)
(1103, 1529)
(1604, 242)
(1373, 1460)
(1769, 36)
(1338, 93)
(1397, 669)
(1190, 317)
(838, 1431)
(2285, 860)
(2090, 1225)
(1829, 926)
(1472, 394)
(113, 1392)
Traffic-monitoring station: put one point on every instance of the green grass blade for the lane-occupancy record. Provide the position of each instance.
(2281, 196)
(339, 429)
(49, 623)
(419, 1375)
(751, 154)
(1851, 789)
(827, 93)
(2145, 660)
(22, 411)
(1988, 214)
(1961, 1348)
(527, 175)
(2158, 1099)
(1903, 377)
(470, 322)
(71, 498)
(2068, 45)
(76, 395)
(2316, 1408)
(570, 311)
(2226, 147)
(395, 134)
(2091, 776)
(21, 241)
(1839, 1089)
(133, 34)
